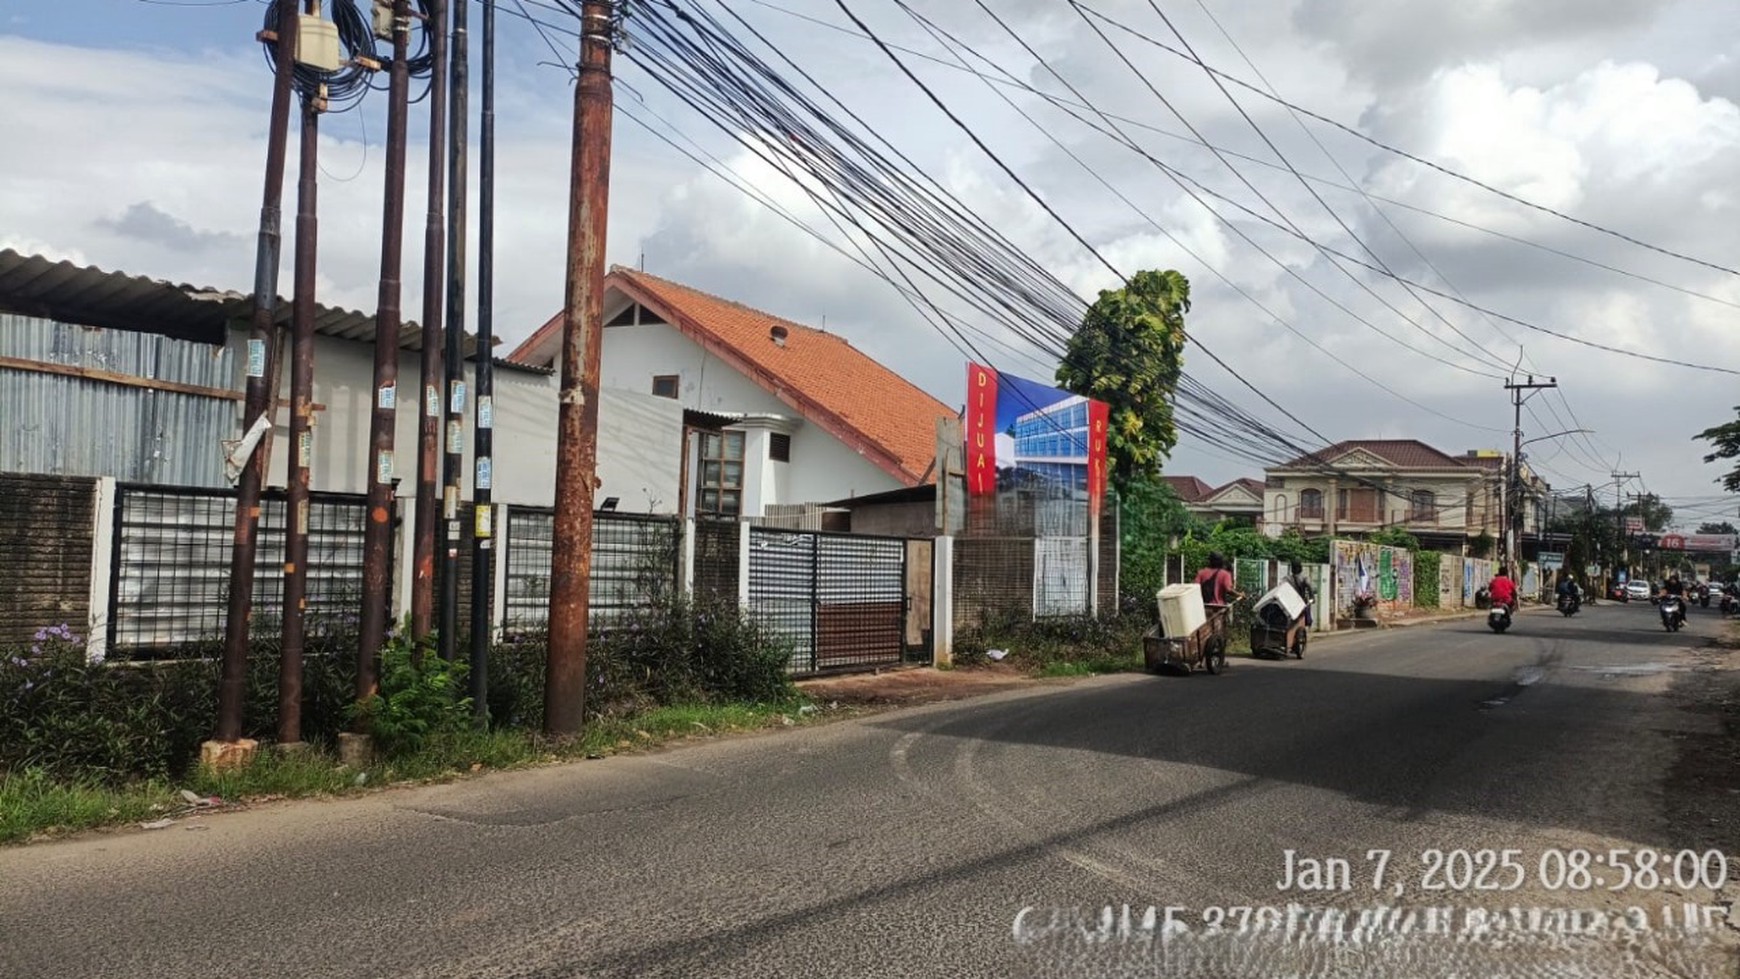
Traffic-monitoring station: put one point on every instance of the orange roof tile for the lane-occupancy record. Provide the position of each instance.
(833, 385)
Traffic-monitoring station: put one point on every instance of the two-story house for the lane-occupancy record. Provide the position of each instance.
(1240, 501)
(811, 418)
(1357, 487)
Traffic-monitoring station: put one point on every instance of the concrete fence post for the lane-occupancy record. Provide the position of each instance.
(404, 561)
(498, 597)
(102, 569)
(744, 538)
(686, 573)
(942, 602)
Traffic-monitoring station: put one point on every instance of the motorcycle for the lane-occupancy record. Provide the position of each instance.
(1673, 612)
(1498, 618)
(1728, 604)
(1703, 596)
(1568, 605)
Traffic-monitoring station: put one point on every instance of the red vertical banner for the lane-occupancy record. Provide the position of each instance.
(1099, 416)
(981, 431)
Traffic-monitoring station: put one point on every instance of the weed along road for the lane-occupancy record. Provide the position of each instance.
(1435, 800)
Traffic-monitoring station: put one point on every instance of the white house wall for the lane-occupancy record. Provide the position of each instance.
(822, 468)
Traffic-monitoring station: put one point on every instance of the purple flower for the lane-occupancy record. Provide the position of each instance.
(36, 649)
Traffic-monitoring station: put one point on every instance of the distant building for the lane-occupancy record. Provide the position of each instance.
(1052, 443)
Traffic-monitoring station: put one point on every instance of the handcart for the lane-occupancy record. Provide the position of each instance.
(1282, 626)
(1190, 635)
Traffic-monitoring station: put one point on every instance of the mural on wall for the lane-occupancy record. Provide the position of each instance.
(1449, 581)
(1476, 572)
(1368, 576)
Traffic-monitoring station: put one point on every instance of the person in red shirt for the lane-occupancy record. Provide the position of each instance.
(1502, 589)
(1216, 583)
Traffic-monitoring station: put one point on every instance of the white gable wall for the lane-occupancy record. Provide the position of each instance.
(822, 468)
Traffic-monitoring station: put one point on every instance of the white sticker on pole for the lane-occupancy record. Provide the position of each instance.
(455, 436)
(450, 503)
(384, 466)
(485, 411)
(485, 524)
(256, 358)
(456, 400)
(387, 397)
(431, 401)
(302, 518)
(305, 449)
(485, 473)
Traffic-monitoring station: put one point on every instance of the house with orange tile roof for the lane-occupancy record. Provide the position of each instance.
(810, 417)
(1240, 501)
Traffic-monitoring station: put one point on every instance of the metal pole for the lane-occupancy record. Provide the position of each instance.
(447, 635)
(577, 403)
(429, 416)
(301, 449)
(258, 403)
(383, 421)
(483, 416)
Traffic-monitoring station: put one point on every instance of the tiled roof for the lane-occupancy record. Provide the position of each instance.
(1254, 486)
(833, 385)
(1400, 453)
(1189, 488)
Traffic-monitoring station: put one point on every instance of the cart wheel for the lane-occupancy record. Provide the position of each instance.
(1299, 646)
(1214, 656)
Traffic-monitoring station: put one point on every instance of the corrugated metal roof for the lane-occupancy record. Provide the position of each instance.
(89, 296)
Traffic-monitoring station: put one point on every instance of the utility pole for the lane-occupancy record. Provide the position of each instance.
(383, 420)
(447, 636)
(577, 402)
(483, 416)
(1513, 512)
(257, 411)
(301, 448)
(1624, 552)
(429, 418)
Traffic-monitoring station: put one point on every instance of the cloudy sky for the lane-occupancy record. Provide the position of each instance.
(135, 140)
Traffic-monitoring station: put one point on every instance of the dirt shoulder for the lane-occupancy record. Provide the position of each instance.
(916, 685)
(1703, 788)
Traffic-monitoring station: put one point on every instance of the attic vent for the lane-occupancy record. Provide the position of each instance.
(777, 335)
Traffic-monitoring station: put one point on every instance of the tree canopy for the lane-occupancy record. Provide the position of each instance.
(1725, 440)
(1717, 528)
(1129, 353)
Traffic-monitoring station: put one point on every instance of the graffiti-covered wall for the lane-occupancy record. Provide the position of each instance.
(1365, 572)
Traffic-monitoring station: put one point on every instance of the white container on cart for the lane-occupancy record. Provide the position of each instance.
(1181, 611)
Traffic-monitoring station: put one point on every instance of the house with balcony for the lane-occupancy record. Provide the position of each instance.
(1359, 487)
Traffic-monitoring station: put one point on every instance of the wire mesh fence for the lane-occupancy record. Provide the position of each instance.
(717, 559)
(839, 600)
(634, 563)
(171, 566)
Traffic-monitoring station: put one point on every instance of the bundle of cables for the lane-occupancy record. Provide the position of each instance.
(345, 87)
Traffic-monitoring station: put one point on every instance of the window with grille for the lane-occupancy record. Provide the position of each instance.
(720, 491)
(665, 385)
(1424, 505)
(1311, 504)
(779, 447)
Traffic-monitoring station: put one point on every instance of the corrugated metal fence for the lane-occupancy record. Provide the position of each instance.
(634, 560)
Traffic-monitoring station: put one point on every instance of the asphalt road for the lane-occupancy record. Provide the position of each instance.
(909, 843)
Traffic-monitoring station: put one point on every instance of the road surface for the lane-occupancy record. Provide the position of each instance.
(959, 839)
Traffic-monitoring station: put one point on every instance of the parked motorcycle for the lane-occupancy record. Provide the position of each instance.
(1568, 605)
(1673, 612)
(1498, 618)
(1729, 606)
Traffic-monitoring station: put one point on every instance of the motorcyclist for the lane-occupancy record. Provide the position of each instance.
(1568, 590)
(1502, 589)
(1675, 587)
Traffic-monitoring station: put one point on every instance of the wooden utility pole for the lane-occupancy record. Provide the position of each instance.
(260, 395)
(429, 409)
(483, 415)
(447, 635)
(383, 419)
(577, 402)
(301, 448)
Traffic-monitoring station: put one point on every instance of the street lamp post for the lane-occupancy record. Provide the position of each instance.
(1512, 509)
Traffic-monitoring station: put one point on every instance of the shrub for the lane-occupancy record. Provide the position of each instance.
(421, 696)
(1043, 644)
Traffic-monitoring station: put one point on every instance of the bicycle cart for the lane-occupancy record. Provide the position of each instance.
(1204, 646)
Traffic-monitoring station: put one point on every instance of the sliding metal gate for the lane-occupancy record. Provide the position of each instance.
(838, 599)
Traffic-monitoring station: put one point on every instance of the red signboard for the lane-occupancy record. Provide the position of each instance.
(981, 431)
(1099, 414)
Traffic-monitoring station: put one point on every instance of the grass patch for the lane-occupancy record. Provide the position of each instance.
(1065, 646)
(33, 803)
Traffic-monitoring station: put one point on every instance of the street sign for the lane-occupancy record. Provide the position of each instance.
(1552, 560)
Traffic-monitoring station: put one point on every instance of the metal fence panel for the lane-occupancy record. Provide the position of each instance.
(861, 601)
(1060, 576)
(783, 590)
(170, 580)
(634, 561)
(716, 558)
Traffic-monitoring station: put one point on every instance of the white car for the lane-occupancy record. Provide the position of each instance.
(1638, 590)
